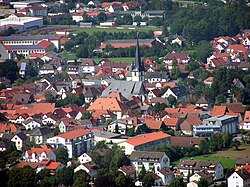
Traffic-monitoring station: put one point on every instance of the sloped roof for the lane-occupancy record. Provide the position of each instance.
(111, 104)
(74, 134)
(153, 124)
(219, 110)
(146, 138)
(171, 121)
(148, 156)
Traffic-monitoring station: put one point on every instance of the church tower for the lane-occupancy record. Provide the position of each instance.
(138, 70)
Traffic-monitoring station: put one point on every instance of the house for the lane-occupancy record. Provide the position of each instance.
(84, 158)
(222, 124)
(110, 104)
(202, 103)
(185, 141)
(208, 81)
(77, 141)
(34, 11)
(40, 135)
(128, 171)
(239, 178)
(91, 93)
(242, 162)
(213, 167)
(90, 168)
(50, 165)
(19, 139)
(202, 175)
(23, 69)
(67, 124)
(145, 142)
(37, 154)
(173, 123)
(87, 66)
(180, 93)
(238, 84)
(151, 161)
(153, 77)
(47, 69)
(246, 121)
(166, 175)
(192, 184)
(176, 58)
(30, 124)
(155, 125)
(188, 124)
(118, 125)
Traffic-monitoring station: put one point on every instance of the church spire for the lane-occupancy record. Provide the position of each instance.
(138, 66)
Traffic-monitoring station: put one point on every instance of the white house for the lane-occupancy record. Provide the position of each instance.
(202, 175)
(180, 93)
(166, 175)
(239, 178)
(30, 124)
(19, 139)
(213, 167)
(84, 158)
(90, 167)
(87, 66)
(77, 141)
(151, 161)
(37, 154)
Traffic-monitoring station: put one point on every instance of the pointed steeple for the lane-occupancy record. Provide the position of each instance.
(138, 66)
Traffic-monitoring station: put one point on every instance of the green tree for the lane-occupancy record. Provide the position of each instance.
(49, 97)
(236, 144)
(28, 144)
(102, 17)
(177, 182)
(202, 183)
(62, 155)
(148, 181)
(104, 181)
(81, 179)
(25, 176)
(9, 70)
(124, 181)
(65, 176)
(204, 146)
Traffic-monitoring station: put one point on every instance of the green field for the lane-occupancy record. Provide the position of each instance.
(114, 29)
(68, 55)
(226, 162)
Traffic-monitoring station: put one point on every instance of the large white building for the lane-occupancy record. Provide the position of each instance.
(222, 124)
(77, 141)
(25, 23)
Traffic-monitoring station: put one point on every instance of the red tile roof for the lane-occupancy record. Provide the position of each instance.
(53, 165)
(153, 124)
(74, 134)
(171, 121)
(146, 138)
(219, 110)
(45, 44)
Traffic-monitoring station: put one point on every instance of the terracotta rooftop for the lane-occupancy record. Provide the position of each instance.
(146, 138)
(74, 134)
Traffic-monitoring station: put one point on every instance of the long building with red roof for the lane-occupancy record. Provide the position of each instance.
(145, 142)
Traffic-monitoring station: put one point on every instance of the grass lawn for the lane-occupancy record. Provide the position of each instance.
(68, 56)
(119, 59)
(114, 29)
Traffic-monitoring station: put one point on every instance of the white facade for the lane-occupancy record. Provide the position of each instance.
(18, 142)
(27, 23)
(84, 158)
(34, 157)
(31, 125)
(235, 180)
(75, 146)
(166, 179)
